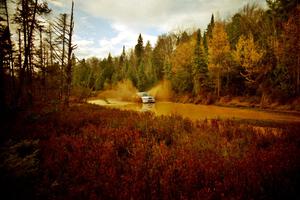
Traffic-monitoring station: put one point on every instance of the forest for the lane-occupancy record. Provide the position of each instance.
(54, 144)
(255, 53)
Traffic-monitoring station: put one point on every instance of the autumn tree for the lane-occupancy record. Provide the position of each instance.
(162, 56)
(248, 55)
(291, 48)
(182, 62)
(219, 53)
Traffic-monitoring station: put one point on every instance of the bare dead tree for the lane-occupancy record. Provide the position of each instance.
(68, 70)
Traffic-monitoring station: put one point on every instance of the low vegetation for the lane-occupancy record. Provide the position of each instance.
(91, 152)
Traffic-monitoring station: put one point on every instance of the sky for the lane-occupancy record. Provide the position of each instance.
(104, 26)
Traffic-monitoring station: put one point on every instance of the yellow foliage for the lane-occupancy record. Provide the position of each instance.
(183, 56)
(219, 47)
(218, 53)
(248, 55)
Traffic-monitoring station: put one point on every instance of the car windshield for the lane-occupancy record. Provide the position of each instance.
(143, 94)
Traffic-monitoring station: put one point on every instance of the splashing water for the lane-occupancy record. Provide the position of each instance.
(122, 91)
(162, 91)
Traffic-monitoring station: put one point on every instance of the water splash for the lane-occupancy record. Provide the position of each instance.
(162, 91)
(122, 91)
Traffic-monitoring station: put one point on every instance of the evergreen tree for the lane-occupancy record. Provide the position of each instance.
(122, 57)
(200, 69)
(141, 78)
(122, 65)
(149, 70)
(234, 29)
(210, 27)
(205, 44)
(108, 70)
(139, 50)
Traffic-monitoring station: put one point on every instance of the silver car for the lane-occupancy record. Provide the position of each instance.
(146, 98)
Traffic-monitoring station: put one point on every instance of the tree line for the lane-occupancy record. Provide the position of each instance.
(254, 53)
(36, 54)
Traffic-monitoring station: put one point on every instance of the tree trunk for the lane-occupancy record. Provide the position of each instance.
(42, 64)
(69, 65)
(27, 65)
(51, 47)
(2, 87)
(63, 57)
(219, 83)
(23, 67)
(298, 76)
(11, 63)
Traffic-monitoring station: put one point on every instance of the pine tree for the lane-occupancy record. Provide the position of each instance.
(139, 50)
(210, 27)
(200, 68)
(122, 57)
(205, 44)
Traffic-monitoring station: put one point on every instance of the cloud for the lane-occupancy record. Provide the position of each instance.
(104, 46)
(57, 3)
(127, 18)
(160, 14)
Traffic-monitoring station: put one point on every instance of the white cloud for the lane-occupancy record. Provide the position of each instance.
(57, 3)
(85, 48)
(140, 14)
(84, 42)
(113, 45)
(128, 18)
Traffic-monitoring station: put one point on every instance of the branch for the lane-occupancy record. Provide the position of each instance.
(247, 77)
